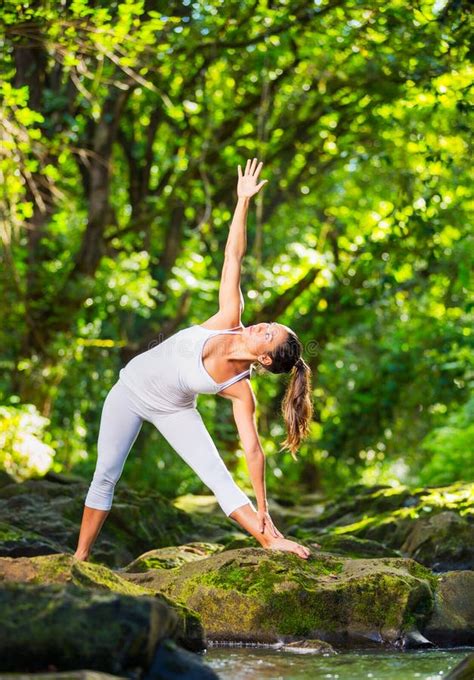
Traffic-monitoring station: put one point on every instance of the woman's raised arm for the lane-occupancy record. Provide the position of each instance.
(247, 186)
(231, 301)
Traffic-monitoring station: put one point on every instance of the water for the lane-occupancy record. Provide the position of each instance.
(254, 663)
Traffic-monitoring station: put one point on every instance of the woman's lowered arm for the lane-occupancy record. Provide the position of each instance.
(243, 405)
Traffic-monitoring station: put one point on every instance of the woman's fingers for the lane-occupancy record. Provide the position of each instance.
(276, 533)
(253, 167)
(239, 171)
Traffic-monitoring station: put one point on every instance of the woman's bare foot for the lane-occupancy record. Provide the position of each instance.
(83, 557)
(288, 546)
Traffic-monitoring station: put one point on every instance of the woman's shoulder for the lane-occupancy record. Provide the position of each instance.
(222, 322)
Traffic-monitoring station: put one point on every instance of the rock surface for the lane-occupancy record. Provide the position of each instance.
(53, 624)
(309, 647)
(453, 616)
(214, 579)
(257, 595)
(65, 569)
(434, 525)
(170, 662)
(173, 556)
(42, 516)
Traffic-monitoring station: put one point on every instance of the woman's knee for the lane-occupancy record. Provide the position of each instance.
(106, 477)
(101, 490)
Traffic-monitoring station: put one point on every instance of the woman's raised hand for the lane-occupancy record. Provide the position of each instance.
(247, 185)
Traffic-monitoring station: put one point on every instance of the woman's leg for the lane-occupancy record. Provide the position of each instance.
(120, 424)
(187, 434)
(247, 518)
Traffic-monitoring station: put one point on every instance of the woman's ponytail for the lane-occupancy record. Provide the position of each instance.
(297, 407)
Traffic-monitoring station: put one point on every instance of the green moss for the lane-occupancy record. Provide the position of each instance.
(379, 603)
(8, 532)
(381, 520)
(98, 576)
(64, 568)
(172, 557)
(419, 571)
(260, 579)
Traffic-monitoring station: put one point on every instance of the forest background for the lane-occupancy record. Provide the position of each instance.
(122, 124)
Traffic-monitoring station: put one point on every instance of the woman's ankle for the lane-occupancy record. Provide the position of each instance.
(264, 539)
(81, 555)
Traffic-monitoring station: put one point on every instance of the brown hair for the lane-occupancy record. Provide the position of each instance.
(297, 406)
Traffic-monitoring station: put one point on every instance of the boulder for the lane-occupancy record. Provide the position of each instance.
(352, 546)
(257, 595)
(16, 542)
(65, 569)
(452, 622)
(173, 556)
(172, 663)
(433, 525)
(72, 627)
(309, 647)
(443, 541)
(43, 515)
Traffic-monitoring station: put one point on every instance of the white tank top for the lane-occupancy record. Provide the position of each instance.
(169, 377)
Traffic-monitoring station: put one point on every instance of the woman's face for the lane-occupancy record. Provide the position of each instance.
(265, 337)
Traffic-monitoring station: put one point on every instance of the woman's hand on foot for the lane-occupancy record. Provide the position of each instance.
(265, 524)
(285, 544)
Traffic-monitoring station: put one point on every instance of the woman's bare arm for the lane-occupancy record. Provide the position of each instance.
(243, 405)
(231, 300)
(247, 186)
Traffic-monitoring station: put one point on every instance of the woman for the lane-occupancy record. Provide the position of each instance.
(161, 385)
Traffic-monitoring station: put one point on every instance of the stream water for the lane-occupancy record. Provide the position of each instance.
(255, 663)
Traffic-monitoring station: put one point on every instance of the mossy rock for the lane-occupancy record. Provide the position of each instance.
(433, 525)
(309, 647)
(172, 556)
(363, 501)
(172, 662)
(54, 624)
(452, 621)
(244, 542)
(65, 569)
(260, 595)
(46, 512)
(15, 542)
(442, 541)
(352, 546)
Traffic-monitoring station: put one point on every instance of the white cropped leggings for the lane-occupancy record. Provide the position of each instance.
(122, 417)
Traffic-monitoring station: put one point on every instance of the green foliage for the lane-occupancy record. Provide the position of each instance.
(450, 447)
(25, 449)
(122, 128)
